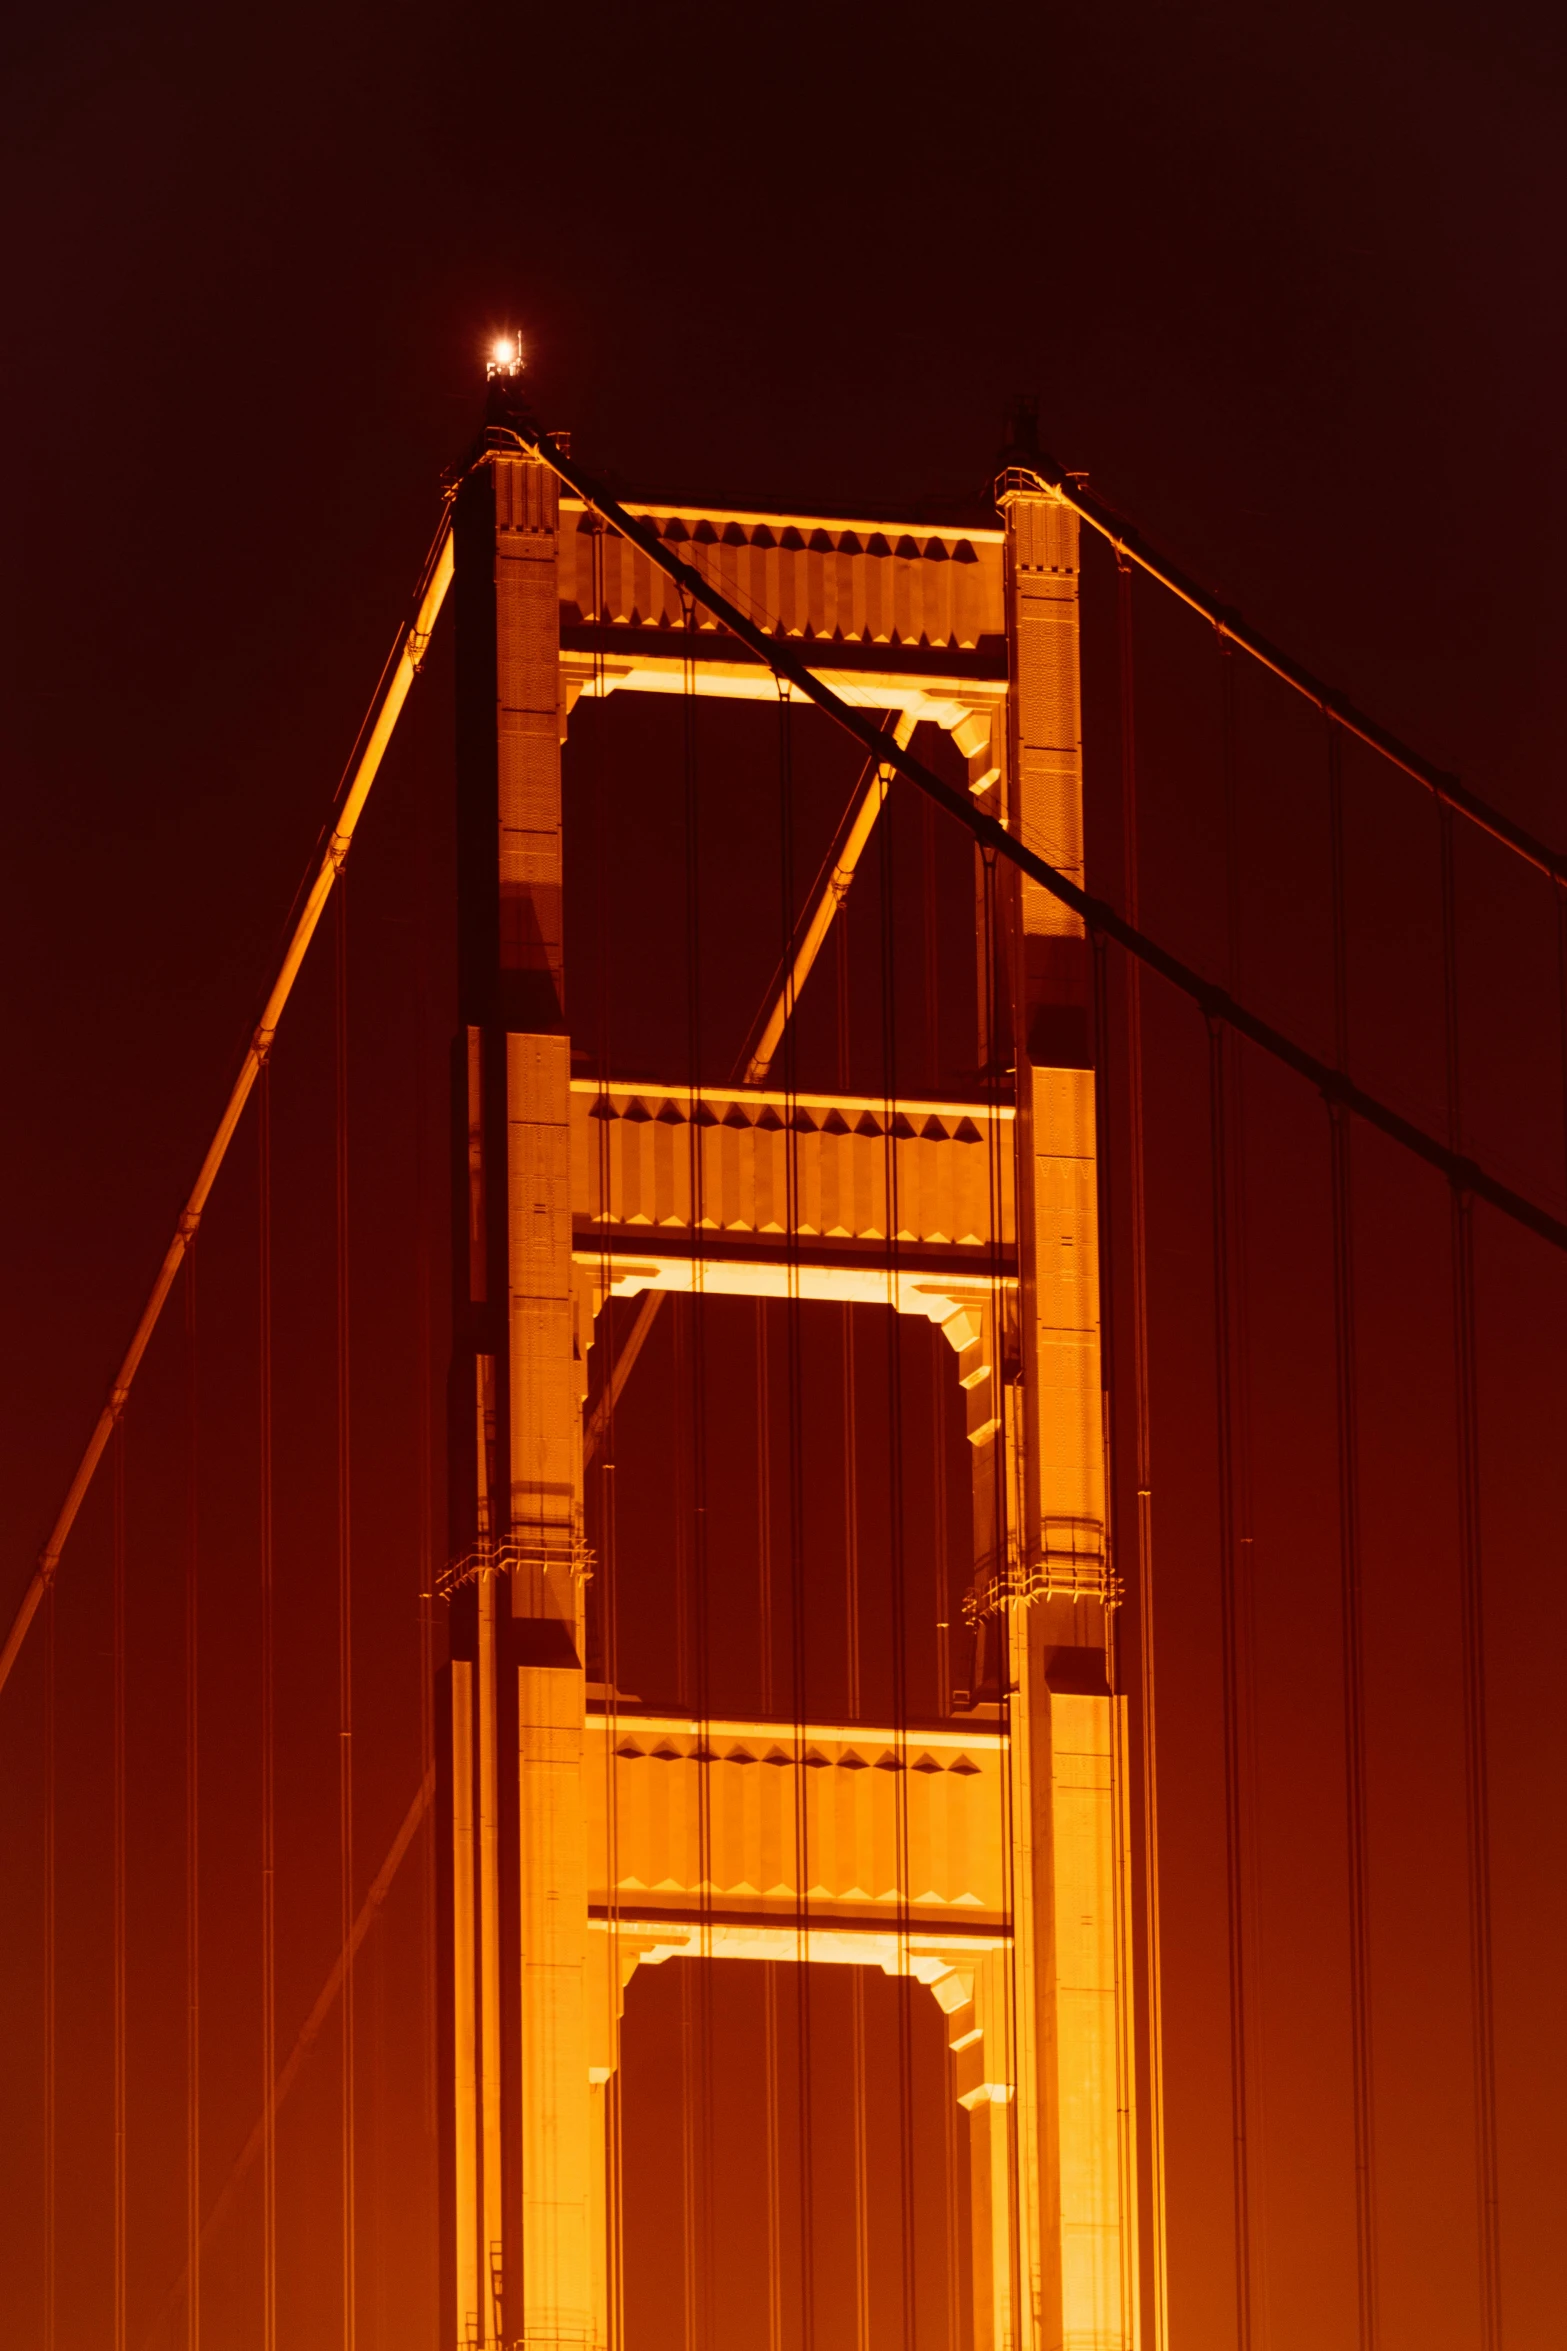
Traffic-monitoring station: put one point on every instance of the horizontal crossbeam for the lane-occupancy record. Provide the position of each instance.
(756, 1822)
(835, 1174)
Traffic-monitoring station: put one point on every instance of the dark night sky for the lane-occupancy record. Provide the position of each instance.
(1281, 280)
(1284, 280)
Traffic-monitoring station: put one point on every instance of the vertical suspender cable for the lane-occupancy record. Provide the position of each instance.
(993, 1572)
(192, 1824)
(684, 1449)
(938, 1518)
(1560, 895)
(703, 2216)
(898, 1619)
(771, 2019)
(1230, 1634)
(424, 1339)
(1137, 1177)
(608, 1584)
(798, 1615)
(51, 2012)
(690, 2159)
(851, 1493)
(1126, 2168)
(932, 945)
(117, 1638)
(685, 1617)
(1472, 1621)
(853, 1710)
(268, 1721)
(268, 1717)
(345, 1622)
(1340, 1144)
(1240, 1660)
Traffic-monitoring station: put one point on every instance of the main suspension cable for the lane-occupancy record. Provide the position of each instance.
(1216, 1004)
(398, 674)
(1131, 547)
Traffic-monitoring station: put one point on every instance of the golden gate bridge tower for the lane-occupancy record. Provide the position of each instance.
(581, 1838)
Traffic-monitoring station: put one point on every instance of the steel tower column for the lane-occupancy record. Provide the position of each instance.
(1067, 2278)
(522, 2250)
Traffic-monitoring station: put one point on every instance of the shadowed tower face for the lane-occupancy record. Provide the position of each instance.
(581, 1839)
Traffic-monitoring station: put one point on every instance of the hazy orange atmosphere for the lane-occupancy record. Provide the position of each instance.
(828, 1611)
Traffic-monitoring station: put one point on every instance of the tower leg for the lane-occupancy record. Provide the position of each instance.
(1044, 1583)
(525, 2184)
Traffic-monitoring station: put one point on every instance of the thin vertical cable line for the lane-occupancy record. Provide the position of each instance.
(931, 941)
(999, 1563)
(899, 1616)
(764, 1510)
(1126, 2179)
(699, 1557)
(117, 1612)
(268, 1717)
(1477, 1809)
(1352, 1614)
(772, 2108)
(192, 1819)
(345, 1628)
(51, 2010)
(1246, 1548)
(798, 1621)
(1147, 1693)
(943, 1568)
(951, 2182)
(608, 1576)
(424, 1340)
(1230, 1637)
(851, 1499)
(853, 1710)
(1243, 1548)
(773, 2104)
(378, 2138)
(684, 1448)
(1560, 895)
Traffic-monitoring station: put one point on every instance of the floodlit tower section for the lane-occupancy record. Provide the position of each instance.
(524, 2142)
(1012, 1819)
(1044, 1590)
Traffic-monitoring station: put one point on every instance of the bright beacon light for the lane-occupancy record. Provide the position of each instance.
(505, 356)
